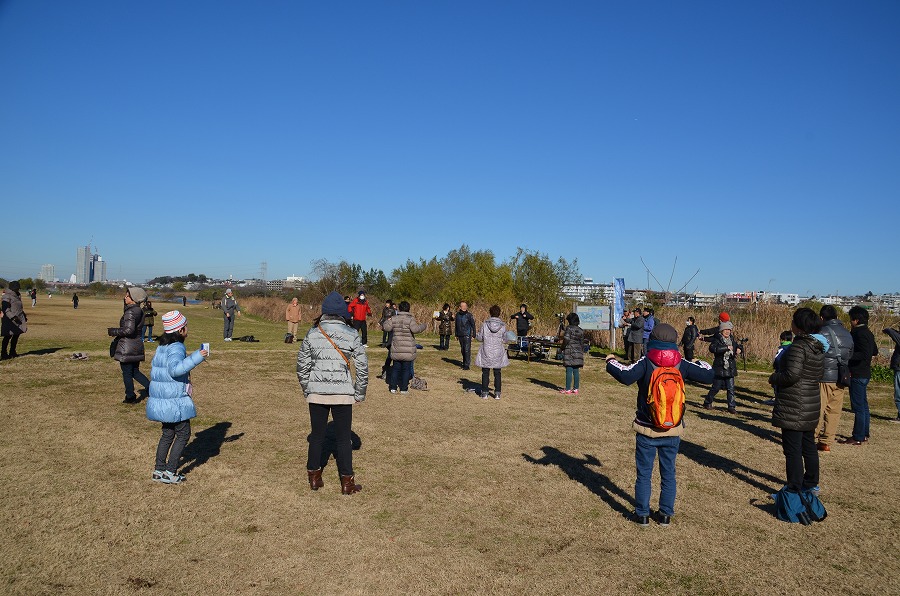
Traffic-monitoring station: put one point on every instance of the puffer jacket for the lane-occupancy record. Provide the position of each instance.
(895, 357)
(169, 377)
(149, 315)
(492, 353)
(797, 384)
(836, 334)
(14, 321)
(573, 346)
(719, 348)
(446, 326)
(322, 370)
(130, 347)
(403, 341)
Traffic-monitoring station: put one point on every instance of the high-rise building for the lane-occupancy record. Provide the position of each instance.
(48, 273)
(83, 265)
(98, 266)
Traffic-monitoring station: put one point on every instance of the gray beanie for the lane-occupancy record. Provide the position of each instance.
(725, 325)
(137, 294)
(664, 332)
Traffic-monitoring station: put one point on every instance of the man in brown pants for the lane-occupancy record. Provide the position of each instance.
(840, 348)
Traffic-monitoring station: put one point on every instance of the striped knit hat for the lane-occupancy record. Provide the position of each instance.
(173, 321)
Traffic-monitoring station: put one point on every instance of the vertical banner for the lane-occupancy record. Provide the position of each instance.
(618, 300)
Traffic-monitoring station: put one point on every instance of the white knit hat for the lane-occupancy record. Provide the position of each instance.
(173, 321)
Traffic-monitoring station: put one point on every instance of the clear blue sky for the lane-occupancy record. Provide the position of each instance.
(758, 142)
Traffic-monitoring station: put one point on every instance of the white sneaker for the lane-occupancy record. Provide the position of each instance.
(497, 396)
(158, 475)
(167, 477)
(404, 392)
(393, 391)
(365, 345)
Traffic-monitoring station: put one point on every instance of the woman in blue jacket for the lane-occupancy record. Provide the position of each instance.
(170, 395)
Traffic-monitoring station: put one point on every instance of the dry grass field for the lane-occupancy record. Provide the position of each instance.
(462, 496)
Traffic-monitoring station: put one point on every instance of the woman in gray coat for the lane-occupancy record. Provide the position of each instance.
(492, 354)
(403, 328)
(329, 384)
(14, 322)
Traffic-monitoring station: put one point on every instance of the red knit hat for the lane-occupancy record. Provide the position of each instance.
(723, 317)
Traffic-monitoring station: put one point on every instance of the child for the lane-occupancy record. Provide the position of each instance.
(170, 395)
(785, 338)
(492, 354)
(650, 441)
(573, 353)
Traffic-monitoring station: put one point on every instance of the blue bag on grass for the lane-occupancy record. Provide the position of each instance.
(803, 507)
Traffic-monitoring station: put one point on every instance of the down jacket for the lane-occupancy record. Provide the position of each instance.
(797, 384)
(169, 377)
(492, 353)
(130, 347)
(14, 320)
(403, 341)
(573, 346)
(322, 370)
(836, 334)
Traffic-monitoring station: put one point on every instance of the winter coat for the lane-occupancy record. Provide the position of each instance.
(895, 357)
(130, 347)
(14, 321)
(321, 370)
(836, 334)
(149, 313)
(573, 346)
(170, 370)
(523, 322)
(864, 349)
(229, 306)
(292, 313)
(446, 322)
(719, 348)
(797, 385)
(403, 342)
(649, 324)
(492, 353)
(386, 313)
(658, 354)
(359, 309)
(465, 324)
(689, 337)
(635, 329)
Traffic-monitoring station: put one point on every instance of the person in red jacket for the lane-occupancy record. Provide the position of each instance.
(359, 310)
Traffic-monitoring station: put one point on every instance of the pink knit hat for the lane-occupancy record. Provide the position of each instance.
(173, 321)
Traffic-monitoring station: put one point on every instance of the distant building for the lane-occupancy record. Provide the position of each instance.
(89, 267)
(293, 281)
(588, 291)
(48, 273)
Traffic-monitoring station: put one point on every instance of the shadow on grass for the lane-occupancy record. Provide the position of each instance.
(41, 352)
(329, 449)
(701, 455)
(577, 469)
(747, 394)
(469, 385)
(544, 384)
(453, 361)
(738, 421)
(206, 445)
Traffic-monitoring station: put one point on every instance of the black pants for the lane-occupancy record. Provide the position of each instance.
(363, 329)
(385, 338)
(343, 419)
(801, 459)
(465, 346)
(10, 341)
(130, 373)
(174, 435)
(485, 378)
(445, 342)
(688, 352)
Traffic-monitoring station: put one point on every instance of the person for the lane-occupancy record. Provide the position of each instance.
(710, 332)
(651, 442)
(33, 295)
(75, 300)
(894, 334)
(649, 323)
(491, 355)
(725, 350)
(14, 322)
(171, 395)
(129, 347)
(402, 326)
(386, 313)
(360, 309)
(796, 410)
(635, 336)
(785, 339)
(572, 353)
(292, 316)
(523, 320)
(689, 338)
(149, 320)
(445, 327)
(329, 386)
(183, 301)
(230, 309)
(860, 365)
(386, 367)
(465, 331)
(831, 394)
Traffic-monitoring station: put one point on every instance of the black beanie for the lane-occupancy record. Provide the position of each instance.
(664, 332)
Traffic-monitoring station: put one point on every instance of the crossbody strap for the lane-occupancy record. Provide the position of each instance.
(322, 331)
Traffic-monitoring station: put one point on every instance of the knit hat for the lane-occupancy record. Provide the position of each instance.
(228, 291)
(664, 332)
(334, 305)
(725, 325)
(173, 321)
(137, 294)
(723, 317)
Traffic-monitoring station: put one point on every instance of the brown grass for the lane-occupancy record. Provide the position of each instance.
(461, 495)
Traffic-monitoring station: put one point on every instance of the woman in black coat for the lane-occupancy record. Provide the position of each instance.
(797, 407)
(129, 347)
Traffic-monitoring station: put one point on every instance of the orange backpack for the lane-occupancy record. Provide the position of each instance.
(665, 396)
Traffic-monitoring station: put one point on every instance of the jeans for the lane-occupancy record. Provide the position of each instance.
(465, 346)
(343, 419)
(174, 435)
(401, 373)
(897, 391)
(130, 372)
(859, 403)
(721, 383)
(572, 373)
(485, 380)
(385, 341)
(801, 459)
(229, 327)
(147, 333)
(363, 328)
(645, 451)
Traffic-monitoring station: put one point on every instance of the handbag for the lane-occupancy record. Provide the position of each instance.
(112, 347)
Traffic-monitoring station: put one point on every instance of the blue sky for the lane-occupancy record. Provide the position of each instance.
(757, 142)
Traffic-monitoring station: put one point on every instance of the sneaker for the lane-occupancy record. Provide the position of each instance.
(496, 396)
(485, 395)
(404, 392)
(158, 475)
(816, 489)
(365, 345)
(732, 410)
(566, 391)
(641, 520)
(167, 477)
(393, 391)
(662, 519)
(707, 406)
(574, 391)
